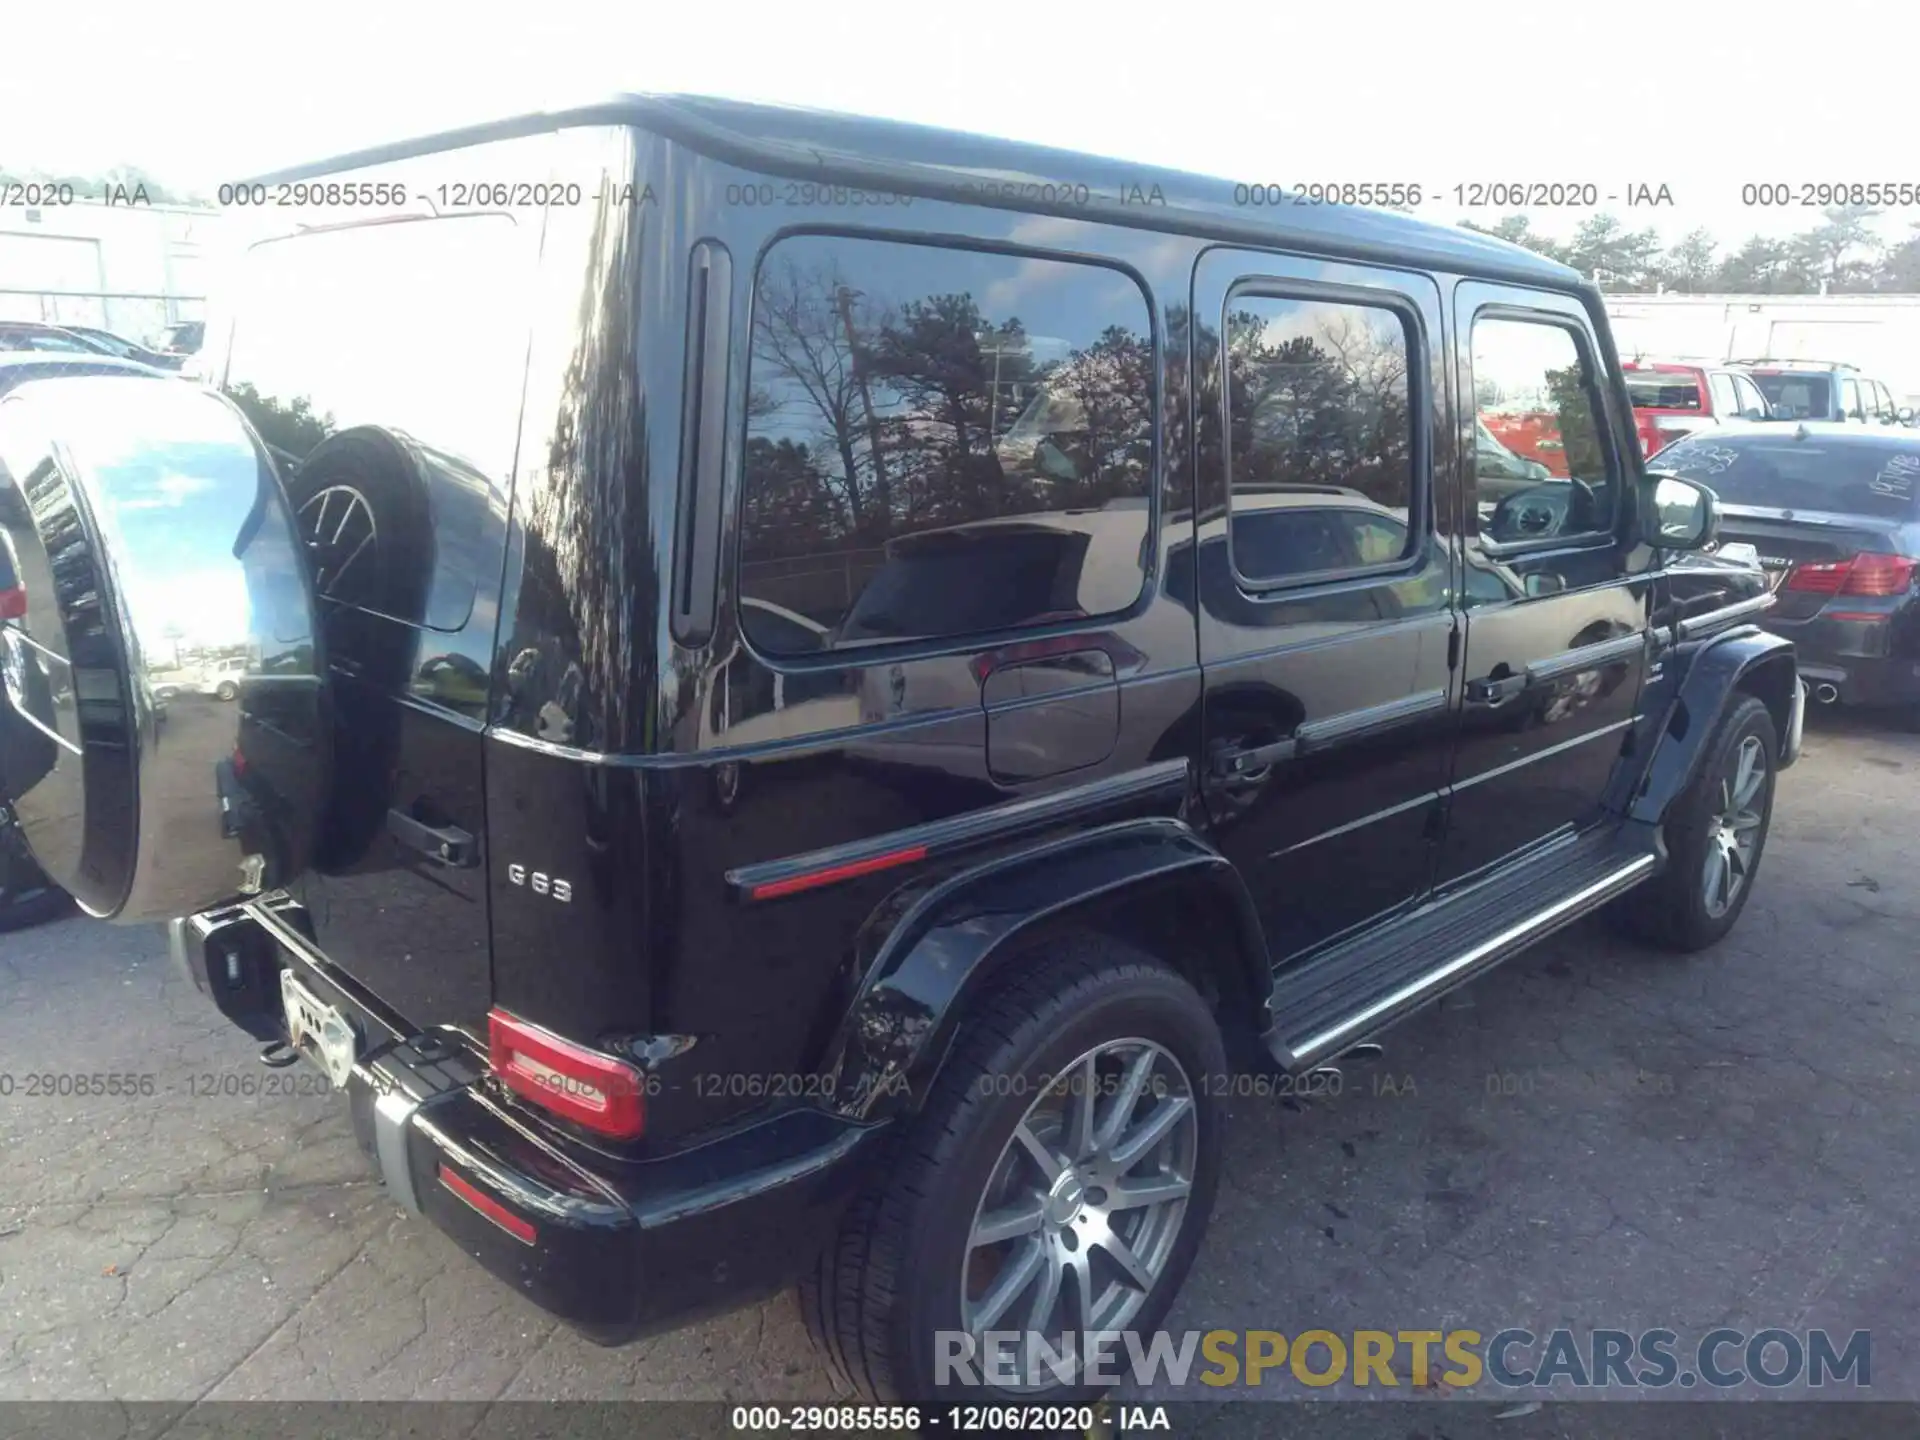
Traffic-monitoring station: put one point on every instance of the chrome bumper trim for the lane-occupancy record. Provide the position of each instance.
(1796, 723)
(393, 1116)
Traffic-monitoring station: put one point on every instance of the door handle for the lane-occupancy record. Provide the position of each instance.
(1232, 761)
(446, 844)
(1489, 690)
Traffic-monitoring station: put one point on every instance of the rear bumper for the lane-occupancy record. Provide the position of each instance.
(618, 1248)
(1857, 658)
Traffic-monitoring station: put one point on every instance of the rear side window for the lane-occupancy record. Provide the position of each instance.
(396, 328)
(1853, 477)
(1664, 390)
(1319, 436)
(1797, 397)
(940, 443)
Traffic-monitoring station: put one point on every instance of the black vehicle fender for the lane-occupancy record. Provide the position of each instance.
(1710, 674)
(934, 949)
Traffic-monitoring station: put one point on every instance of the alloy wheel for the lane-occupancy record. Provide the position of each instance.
(1084, 1207)
(1734, 830)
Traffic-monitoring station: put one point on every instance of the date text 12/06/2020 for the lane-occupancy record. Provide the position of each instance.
(1468, 195)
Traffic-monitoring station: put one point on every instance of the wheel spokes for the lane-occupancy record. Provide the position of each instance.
(1149, 1190)
(1082, 1092)
(1122, 1255)
(997, 1226)
(1064, 1239)
(1132, 1086)
(1018, 1274)
(1048, 1162)
(1749, 774)
(1150, 1132)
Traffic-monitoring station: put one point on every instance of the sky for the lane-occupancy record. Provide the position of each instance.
(1698, 99)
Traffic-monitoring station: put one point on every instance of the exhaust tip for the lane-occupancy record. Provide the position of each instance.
(1826, 692)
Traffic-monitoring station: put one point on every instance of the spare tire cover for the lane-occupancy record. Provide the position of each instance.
(153, 536)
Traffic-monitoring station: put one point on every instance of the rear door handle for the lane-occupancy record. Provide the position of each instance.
(1255, 757)
(1491, 691)
(447, 844)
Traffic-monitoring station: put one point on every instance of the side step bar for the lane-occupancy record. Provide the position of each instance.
(1331, 1003)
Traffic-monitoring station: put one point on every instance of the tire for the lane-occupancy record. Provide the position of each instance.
(901, 1268)
(1672, 910)
(227, 691)
(27, 897)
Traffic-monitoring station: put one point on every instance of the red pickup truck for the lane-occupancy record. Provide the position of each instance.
(1670, 399)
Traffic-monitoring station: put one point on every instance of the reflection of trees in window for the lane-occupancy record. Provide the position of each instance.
(873, 416)
(288, 426)
(1327, 404)
(1579, 432)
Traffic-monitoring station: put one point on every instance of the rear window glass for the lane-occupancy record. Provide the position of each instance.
(1849, 477)
(940, 442)
(1663, 390)
(1797, 397)
(397, 328)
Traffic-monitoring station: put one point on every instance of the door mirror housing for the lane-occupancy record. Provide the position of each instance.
(1677, 513)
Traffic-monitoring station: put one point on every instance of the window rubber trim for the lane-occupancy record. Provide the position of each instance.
(703, 443)
(1420, 413)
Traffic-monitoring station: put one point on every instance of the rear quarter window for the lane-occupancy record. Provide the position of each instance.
(941, 442)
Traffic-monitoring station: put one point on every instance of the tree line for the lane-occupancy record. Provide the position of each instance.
(1842, 255)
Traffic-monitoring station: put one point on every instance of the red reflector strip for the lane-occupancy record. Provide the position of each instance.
(1867, 615)
(834, 874)
(521, 1230)
(13, 603)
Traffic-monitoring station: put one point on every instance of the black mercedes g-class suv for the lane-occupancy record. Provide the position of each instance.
(812, 685)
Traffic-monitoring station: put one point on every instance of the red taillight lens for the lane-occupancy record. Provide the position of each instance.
(13, 603)
(1874, 574)
(591, 1089)
(1869, 574)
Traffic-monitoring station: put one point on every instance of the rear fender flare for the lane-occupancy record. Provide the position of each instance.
(1742, 661)
(944, 949)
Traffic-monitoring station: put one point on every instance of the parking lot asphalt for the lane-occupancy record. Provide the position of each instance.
(1592, 1136)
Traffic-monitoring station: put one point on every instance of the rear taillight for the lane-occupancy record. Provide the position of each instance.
(1867, 574)
(13, 603)
(591, 1089)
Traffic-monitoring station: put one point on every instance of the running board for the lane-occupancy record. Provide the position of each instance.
(1331, 1003)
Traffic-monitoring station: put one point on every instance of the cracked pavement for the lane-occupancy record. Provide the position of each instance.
(1593, 1136)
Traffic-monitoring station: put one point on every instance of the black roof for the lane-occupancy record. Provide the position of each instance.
(833, 148)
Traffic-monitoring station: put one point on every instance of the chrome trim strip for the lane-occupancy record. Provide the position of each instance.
(1315, 1046)
(1588, 657)
(1525, 760)
(393, 1116)
(1165, 779)
(1351, 724)
(1712, 619)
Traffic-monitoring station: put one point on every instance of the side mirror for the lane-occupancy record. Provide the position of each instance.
(1750, 413)
(1907, 415)
(1676, 513)
(1539, 584)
